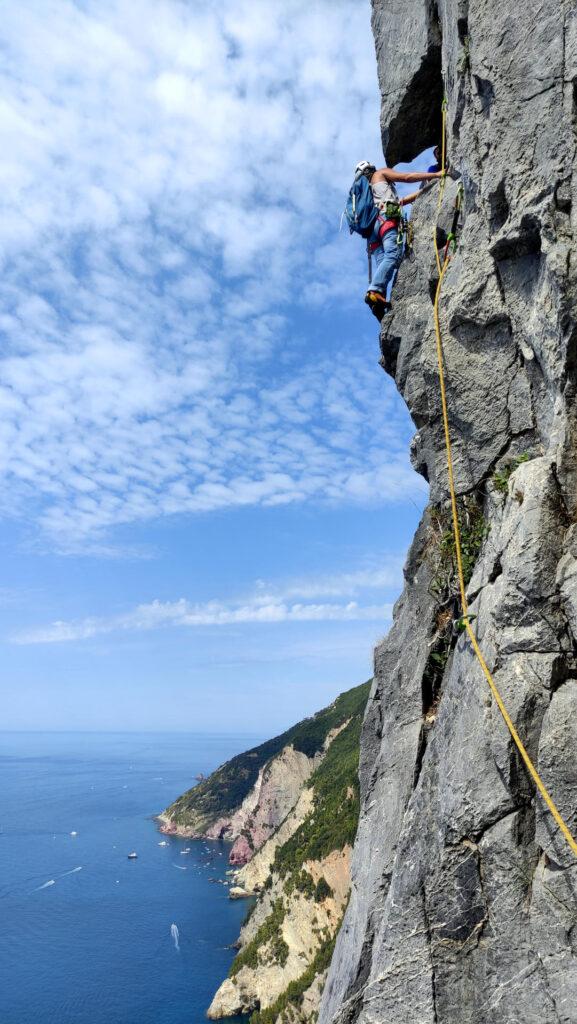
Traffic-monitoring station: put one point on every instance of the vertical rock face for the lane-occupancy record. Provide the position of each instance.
(463, 906)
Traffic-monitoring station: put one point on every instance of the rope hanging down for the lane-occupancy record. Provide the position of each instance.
(442, 268)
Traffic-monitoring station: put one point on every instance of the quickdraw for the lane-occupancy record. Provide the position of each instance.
(452, 236)
(409, 237)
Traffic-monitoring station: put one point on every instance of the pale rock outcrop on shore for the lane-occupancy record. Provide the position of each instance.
(237, 892)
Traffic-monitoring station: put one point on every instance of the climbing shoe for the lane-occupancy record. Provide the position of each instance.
(377, 304)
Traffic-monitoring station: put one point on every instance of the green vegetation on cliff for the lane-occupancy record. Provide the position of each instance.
(268, 944)
(292, 996)
(332, 823)
(223, 792)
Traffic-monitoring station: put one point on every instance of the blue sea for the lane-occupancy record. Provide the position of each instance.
(88, 936)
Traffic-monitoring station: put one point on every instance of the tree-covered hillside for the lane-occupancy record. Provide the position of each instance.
(224, 790)
(289, 936)
(332, 824)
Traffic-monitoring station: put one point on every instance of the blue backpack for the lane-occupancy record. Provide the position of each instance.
(360, 211)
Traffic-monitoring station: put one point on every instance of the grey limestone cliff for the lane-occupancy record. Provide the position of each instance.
(463, 906)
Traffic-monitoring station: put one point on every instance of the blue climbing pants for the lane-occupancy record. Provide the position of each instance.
(386, 261)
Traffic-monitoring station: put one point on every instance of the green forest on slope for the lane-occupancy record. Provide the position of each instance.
(223, 791)
(331, 825)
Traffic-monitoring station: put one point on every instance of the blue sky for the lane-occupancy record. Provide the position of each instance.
(206, 495)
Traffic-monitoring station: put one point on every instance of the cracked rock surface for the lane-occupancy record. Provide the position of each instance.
(463, 906)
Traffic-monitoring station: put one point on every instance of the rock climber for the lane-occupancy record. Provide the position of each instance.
(386, 240)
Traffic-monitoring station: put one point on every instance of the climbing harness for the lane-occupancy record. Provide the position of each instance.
(466, 618)
(393, 220)
(384, 227)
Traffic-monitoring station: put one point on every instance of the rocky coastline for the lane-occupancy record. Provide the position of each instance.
(292, 835)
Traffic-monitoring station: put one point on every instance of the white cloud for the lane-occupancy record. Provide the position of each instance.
(267, 604)
(384, 573)
(171, 183)
(157, 615)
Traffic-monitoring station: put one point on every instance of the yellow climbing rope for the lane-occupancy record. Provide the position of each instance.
(442, 268)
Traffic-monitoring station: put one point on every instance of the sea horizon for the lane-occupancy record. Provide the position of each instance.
(137, 732)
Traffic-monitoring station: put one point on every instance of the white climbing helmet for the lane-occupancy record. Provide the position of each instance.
(362, 166)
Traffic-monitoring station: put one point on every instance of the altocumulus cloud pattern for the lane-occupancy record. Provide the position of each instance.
(161, 165)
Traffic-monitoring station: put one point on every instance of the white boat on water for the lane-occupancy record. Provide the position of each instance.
(186, 850)
(163, 842)
(132, 856)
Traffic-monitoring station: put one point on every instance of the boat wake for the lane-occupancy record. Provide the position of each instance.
(52, 881)
(175, 935)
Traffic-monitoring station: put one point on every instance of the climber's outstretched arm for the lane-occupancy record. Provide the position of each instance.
(409, 177)
(411, 199)
(417, 195)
